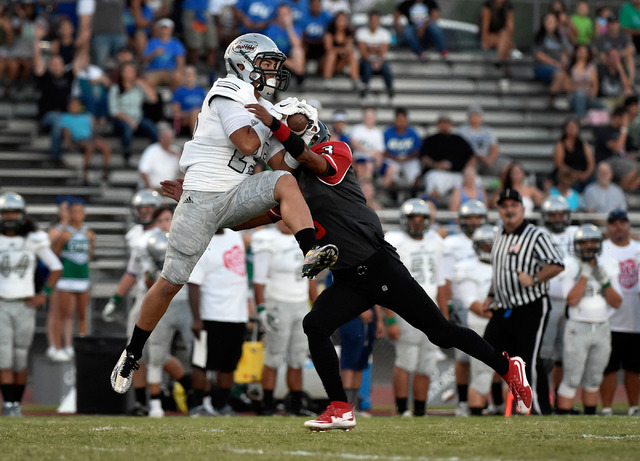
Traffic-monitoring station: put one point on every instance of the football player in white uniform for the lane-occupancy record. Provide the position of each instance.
(591, 287)
(282, 300)
(21, 244)
(420, 249)
(220, 189)
(458, 247)
(472, 281)
(557, 220)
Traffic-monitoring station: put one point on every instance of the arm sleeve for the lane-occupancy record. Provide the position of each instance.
(234, 116)
(338, 154)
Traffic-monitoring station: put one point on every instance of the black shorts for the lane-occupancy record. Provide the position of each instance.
(224, 345)
(624, 352)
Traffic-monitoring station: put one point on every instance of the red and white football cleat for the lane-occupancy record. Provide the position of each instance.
(516, 378)
(338, 415)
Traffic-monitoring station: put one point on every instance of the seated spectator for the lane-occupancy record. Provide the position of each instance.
(254, 15)
(484, 143)
(124, 55)
(564, 187)
(199, 34)
(333, 7)
(300, 11)
(515, 178)
(314, 26)
(444, 155)
(54, 84)
(159, 161)
(187, 101)
(610, 142)
(288, 39)
(559, 9)
(630, 21)
(402, 148)
(164, 56)
(468, 190)
(583, 83)
(367, 142)
(20, 53)
(340, 52)
(6, 39)
(101, 23)
(603, 195)
(496, 30)
(338, 124)
(92, 85)
(138, 22)
(373, 44)
(581, 29)
(633, 135)
(416, 22)
(613, 80)
(551, 52)
(64, 42)
(601, 22)
(572, 153)
(126, 98)
(77, 129)
(617, 39)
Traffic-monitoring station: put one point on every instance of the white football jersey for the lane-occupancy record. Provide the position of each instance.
(277, 264)
(140, 261)
(564, 243)
(423, 258)
(210, 160)
(471, 283)
(457, 247)
(592, 307)
(132, 236)
(221, 274)
(18, 261)
(627, 317)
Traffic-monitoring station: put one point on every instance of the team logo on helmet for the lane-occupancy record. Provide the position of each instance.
(245, 46)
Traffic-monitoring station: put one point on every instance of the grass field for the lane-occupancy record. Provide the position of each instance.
(282, 438)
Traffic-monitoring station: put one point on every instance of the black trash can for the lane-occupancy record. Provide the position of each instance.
(95, 358)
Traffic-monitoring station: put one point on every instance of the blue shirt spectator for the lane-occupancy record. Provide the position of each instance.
(314, 26)
(79, 125)
(401, 144)
(130, 22)
(255, 15)
(300, 10)
(573, 198)
(280, 37)
(167, 60)
(189, 98)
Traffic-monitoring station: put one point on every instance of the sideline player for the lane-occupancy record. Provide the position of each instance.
(368, 272)
(220, 189)
(21, 244)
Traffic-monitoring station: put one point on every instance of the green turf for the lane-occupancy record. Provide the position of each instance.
(281, 438)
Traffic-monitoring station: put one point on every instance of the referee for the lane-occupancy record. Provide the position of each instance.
(523, 259)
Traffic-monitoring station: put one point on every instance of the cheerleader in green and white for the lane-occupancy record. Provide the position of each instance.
(75, 249)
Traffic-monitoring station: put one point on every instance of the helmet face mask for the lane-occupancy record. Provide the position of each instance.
(255, 58)
(143, 204)
(471, 215)
(587, 242)
(483, 242)
(556, 214)
(317, 133)
(415, 215)
(12, 212)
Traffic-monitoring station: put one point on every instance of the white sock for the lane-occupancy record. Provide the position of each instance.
(155, 404)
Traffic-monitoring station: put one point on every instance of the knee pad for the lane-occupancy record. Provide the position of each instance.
(567, 391)
(154, 374)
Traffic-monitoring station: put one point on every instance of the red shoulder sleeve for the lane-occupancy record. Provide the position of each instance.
(338, 154)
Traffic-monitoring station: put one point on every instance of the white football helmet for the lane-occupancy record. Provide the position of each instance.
(483, 242)
(157, 247)
(471, 209)
(587, 233)
(556, 205)
(142, 199)
(10, 201)
(414, 207)
(250, 51)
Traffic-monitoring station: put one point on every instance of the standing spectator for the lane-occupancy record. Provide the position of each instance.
(288, 38)
(617, 39)
(551, 51)
(592, 287)
(54, 84)
(402, 147)
(21, 243)
(496, 30)
(625, 322)
(581, 29)
(254, 15)
(187, 101)
(64, 42)
(340, 51)
(470, 189)
(159, 161)
(420, 249)
(573, 153)
(417, 23)
(583, 83)
(125, 106)
(282, 300)
(101, 23)
(613, 80)
(373, 44)
(610, 142)
(515, 178)
(484, 143)
(444, 154)
(138, 22)
(75, 248)
(78, 130)
(164, 56)
(199, 34)
(367, 142)
(519, 291)
(218, 294)
(603, 195)
(630, 21)
(314, 26)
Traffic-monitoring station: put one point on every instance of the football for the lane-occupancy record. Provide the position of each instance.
(297, 122)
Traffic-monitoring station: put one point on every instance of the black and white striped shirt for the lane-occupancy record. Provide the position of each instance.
(527, 249)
